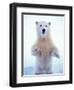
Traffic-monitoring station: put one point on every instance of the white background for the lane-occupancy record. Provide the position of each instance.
(4, 43)
(30, 35)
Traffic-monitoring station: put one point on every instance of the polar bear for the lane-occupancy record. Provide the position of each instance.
(44, 48)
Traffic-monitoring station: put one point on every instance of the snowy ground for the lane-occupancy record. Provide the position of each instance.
(57, 67)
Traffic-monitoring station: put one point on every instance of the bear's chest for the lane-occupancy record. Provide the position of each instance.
(45, 47)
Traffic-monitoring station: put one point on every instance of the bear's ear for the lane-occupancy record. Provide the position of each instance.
(36, 22)
(49, 23)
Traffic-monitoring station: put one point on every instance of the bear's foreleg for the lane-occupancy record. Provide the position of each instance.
(55, 53)
(35, 51)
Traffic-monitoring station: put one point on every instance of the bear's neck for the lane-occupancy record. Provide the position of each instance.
(43, 39)
(43, 42)
(47, 39)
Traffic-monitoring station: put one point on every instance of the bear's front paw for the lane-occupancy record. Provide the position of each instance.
(55, 53)
(35, 51)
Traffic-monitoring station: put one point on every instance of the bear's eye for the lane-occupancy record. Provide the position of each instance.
(40, 25)
(45, 25)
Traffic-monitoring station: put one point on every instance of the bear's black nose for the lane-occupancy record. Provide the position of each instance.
(43, 31)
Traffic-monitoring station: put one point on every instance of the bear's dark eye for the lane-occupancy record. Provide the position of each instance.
(45, 25)
(40, 25)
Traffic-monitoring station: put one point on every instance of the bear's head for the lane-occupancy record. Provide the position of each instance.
(42, 29)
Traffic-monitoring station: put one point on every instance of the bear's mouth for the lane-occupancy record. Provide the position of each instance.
(43, 31)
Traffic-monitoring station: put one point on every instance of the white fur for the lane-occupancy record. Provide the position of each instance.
(39, 29)
(43, 64)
